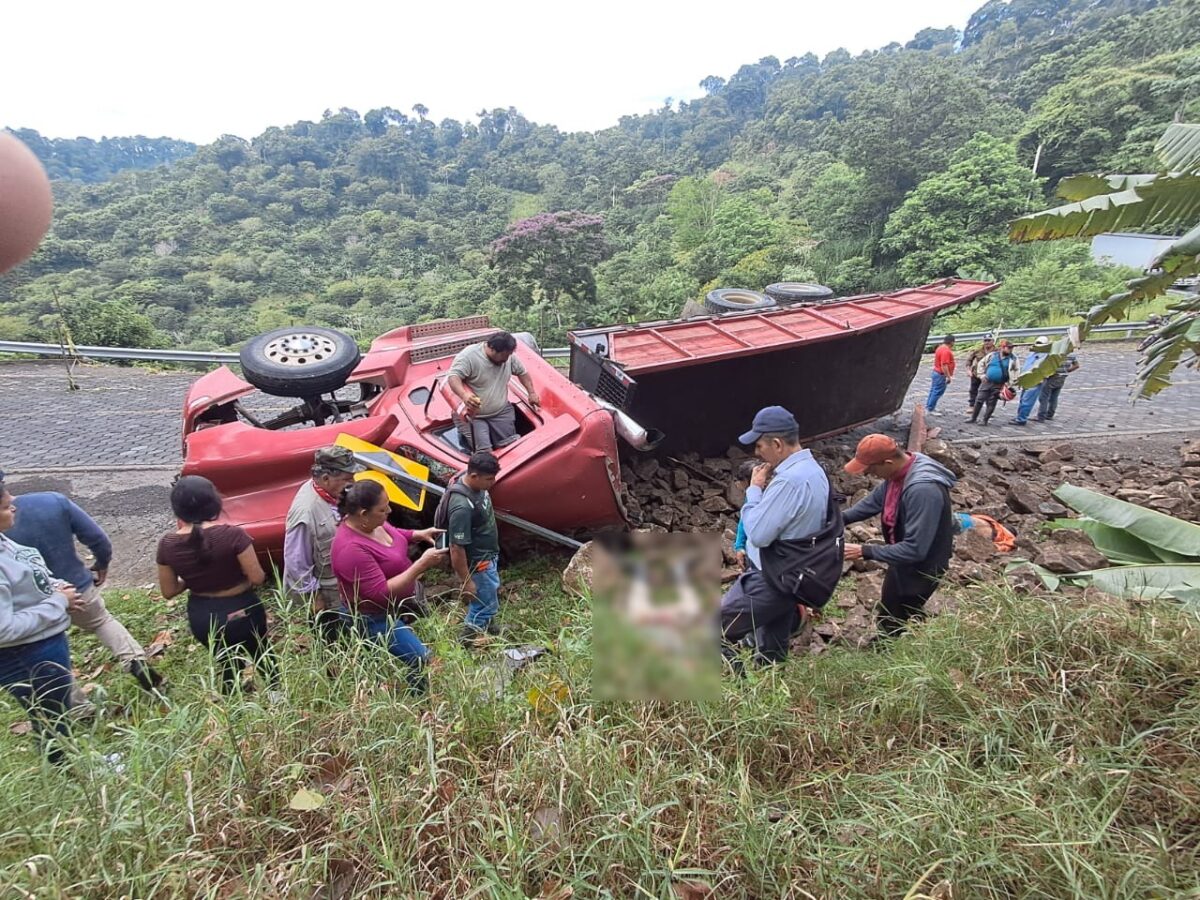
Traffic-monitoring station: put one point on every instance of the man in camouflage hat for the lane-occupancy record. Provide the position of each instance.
(311, 524)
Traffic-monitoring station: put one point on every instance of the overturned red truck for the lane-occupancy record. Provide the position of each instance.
(662, 387)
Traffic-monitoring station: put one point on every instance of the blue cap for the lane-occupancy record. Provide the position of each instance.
(771, 420)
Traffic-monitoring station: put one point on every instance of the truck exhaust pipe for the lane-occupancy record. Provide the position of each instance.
(639, 438)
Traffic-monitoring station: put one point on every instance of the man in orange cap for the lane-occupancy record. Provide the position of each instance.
(913, 503)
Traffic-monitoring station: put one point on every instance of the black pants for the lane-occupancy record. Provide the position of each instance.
(904, 594)
(751, 605)
(989, 394)
(975, 383)
(235, 630)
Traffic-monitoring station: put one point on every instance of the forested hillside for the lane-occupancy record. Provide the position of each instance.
(84, 159)
(863, 172)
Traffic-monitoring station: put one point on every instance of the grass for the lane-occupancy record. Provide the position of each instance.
(1023, 747)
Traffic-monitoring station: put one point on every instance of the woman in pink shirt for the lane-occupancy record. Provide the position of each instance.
(375, 575)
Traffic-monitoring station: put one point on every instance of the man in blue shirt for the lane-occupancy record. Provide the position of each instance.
(790, 508)
(1029, 396)
(50, 522)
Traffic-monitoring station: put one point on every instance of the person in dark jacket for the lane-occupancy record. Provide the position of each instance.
(913, 502)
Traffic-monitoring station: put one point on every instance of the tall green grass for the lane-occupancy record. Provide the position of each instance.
(1023, 747)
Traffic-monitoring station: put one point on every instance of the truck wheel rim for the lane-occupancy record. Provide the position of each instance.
(299, 349)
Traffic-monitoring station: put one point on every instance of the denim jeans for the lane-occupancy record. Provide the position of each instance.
(402, 642)
(937, 387)
(1029, 397)
(487, 596)
(235, 630)
(1048, 400)
(39, 676)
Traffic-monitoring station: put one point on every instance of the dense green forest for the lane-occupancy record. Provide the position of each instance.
(862, 172)
(83, 159)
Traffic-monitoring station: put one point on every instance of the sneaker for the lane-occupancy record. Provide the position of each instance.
(495, 629)
(933, 412)
(1021, 422)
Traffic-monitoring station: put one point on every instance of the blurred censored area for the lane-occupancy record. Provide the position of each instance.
(654, 624)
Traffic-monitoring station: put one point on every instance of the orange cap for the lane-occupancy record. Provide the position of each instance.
(872, 450)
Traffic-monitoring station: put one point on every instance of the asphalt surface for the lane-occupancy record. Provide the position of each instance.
(115, 443)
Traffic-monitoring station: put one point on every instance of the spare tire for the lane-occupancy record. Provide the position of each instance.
(798, 292)
(299, 361)
(726, 300)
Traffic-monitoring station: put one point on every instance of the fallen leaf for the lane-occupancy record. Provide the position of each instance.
(692, 890)
(447, 790)
(554, 890)
(546, 824)
(545, 699)
(161, 642)
(20, 727)
(306, 800)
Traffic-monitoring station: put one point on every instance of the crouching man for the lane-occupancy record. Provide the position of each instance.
(913, 503)
(779, 517)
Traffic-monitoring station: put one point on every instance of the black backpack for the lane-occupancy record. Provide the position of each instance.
(441, 515)
(809, 569)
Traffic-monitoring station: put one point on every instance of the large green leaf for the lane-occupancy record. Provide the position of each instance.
(1054, 358)
(1179, 148)
(1080, 187)
(1156, 529)
(1179, 581)
(1166, 202)
(1119, 545)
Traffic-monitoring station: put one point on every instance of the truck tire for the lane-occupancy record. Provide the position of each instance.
(785, 292)
(727, 300)
(299, 361)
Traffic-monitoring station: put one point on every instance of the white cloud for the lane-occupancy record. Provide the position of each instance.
(197, 71)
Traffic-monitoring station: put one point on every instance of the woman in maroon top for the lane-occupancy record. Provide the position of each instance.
(375, 575)
(217, 566)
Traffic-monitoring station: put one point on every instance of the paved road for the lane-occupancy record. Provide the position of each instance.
(130, 417)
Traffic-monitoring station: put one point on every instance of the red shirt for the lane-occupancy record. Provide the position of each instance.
(363, 566)
(943, 361)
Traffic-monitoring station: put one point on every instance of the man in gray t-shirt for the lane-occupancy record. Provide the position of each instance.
(479, 378)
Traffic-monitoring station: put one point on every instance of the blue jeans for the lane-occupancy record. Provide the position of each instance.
(39, 676)
(487, 596)
(1048, 400)
(1029, 397)
(402, 642)
(937, 387)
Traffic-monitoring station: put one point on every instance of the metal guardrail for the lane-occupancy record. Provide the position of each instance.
(213, 356)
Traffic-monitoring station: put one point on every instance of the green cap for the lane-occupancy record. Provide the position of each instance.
(337, 459)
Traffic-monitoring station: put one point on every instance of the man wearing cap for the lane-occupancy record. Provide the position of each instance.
(996, 369)
(1029, 395)
(913, 503)
(311, 524)
(973, 359)
(943, 372)
(791, 507)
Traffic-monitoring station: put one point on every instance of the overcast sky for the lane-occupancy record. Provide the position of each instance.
(199, 70)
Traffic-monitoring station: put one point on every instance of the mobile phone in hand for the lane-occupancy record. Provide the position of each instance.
(442, 541)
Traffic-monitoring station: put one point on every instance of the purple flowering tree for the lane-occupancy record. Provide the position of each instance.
(547, 259)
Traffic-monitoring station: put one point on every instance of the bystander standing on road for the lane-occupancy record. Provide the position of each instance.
(1029, 395)
(1052, 387)
(997, 369)
(943, 374)
(972, 366)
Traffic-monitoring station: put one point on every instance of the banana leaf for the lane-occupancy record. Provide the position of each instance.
(1158, 530)
(1117, 544)
(1180, 582)
(1179, 147)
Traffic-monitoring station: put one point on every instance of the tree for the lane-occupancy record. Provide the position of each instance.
(956, 219)
(547, 256)
(1167, 202)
